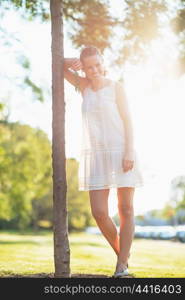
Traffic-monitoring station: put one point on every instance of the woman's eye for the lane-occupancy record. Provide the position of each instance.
(91, 68)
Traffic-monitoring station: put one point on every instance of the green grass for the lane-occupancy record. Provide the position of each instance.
(32, 253)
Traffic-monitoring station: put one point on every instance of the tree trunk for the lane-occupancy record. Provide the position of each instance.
(60, 222)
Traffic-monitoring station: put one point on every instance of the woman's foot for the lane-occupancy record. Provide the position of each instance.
(121, 273)
(121, 270)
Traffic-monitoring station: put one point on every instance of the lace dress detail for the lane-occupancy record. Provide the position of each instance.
(103, 144)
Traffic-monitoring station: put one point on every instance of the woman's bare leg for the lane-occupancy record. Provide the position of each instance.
(99, 208)
(127, 227)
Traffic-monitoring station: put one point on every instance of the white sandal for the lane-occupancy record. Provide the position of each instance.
(121, 274)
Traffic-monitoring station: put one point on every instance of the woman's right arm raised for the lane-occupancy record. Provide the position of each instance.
(71, 76)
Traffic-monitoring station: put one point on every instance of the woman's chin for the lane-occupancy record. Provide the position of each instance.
(96, 76)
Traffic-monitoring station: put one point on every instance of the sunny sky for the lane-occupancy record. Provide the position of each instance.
(156, 100)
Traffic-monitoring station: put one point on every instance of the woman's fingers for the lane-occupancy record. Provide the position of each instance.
(77, 67)
(76, 64)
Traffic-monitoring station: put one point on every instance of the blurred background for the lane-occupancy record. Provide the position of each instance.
(143, 46)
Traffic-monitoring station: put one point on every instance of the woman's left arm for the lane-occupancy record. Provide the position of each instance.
(123, 107)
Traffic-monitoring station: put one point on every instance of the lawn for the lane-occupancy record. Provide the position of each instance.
(32, 253)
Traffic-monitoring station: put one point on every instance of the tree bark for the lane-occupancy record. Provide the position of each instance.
(60, 221)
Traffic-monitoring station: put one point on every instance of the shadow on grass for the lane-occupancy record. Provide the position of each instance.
(45, 275)
(20, 242)
(84, 243)
(30, 232)
(9, 274)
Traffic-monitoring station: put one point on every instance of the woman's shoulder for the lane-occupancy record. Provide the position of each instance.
(119, 87)
(119, 83)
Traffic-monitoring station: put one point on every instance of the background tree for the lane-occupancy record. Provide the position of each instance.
(174, 209)
(61, 242)
(178, 27)
(26, 182)
(178, 197)
(25, 172)
(140, 22)
(140, 25)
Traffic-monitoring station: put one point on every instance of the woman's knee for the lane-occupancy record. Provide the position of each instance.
(99, 204)
(126, 210)
(99, 215)
(125, 202)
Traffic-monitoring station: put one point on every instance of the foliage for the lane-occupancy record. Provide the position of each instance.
(30, 9)
(88, 28)
(178, 22)
(178, 196)
(174, 210)
(26, 181)
(178, 27)
(92, 23)
(25, 172)
(141, 26)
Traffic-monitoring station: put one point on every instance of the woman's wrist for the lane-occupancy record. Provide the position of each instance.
(68, 62)
(129, 153)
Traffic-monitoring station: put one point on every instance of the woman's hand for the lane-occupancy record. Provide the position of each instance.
(128, 161)
(73, 63)
(127, 165)
(76, 65)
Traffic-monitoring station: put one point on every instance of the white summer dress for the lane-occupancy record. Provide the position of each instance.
(103, 143)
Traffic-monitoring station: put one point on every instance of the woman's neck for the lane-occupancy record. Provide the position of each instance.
(99, 83)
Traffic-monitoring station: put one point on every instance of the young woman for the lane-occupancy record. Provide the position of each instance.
(108, 157)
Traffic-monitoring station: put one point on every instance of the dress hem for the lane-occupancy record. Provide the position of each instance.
(110, 186)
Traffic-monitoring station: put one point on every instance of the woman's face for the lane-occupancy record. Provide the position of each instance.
(93, 66)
